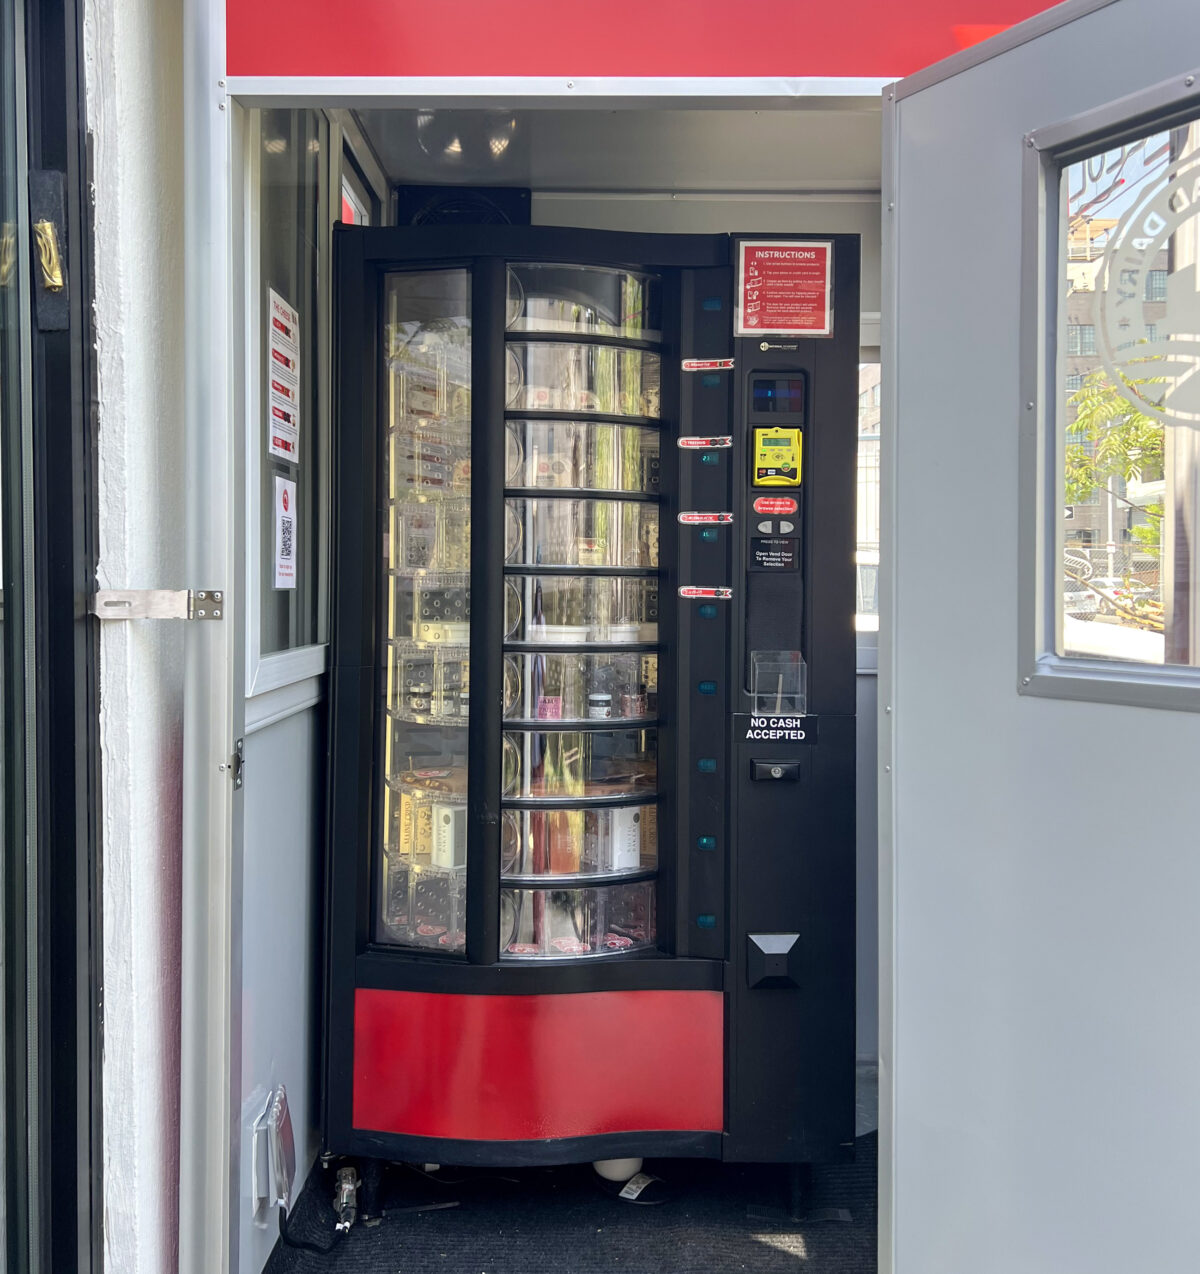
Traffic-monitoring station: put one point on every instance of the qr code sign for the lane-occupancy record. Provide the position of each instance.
(285, 533)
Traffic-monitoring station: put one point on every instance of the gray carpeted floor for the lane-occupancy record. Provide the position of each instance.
(556, 1221)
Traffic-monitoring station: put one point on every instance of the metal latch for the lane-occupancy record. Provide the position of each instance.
(158, 603)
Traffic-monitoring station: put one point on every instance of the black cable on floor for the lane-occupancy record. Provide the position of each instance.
(306, 1245)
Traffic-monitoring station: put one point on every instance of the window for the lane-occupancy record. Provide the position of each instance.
(1129, 573)
(1081, 339)
(291, 184)
(866, 555)
(1156, 285)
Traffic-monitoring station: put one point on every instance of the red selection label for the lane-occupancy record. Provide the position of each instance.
(707, 364)
(706, 519)
(693, 590)
(699, 442)
(784, 288)
(775, 504)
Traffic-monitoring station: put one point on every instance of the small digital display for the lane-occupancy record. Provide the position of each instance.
(774, 394)
(776, 442)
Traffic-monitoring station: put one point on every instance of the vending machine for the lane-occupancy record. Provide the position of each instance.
(591, 856)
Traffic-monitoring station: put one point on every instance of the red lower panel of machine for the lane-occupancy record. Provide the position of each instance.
(529, 1067)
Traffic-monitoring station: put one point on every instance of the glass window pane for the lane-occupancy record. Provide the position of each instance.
(1129, 402)
(292, 243)
(427, 610)
(866, 551)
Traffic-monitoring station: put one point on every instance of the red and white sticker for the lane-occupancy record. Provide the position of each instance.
(698, 442)
(695, 590)
(784, 288)
(706, 519)
(707, 364)
(283, 330)
(775, 504)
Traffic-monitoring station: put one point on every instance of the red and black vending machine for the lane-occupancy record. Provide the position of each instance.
(590, 870)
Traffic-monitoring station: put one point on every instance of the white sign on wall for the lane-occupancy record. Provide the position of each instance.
(283, 379)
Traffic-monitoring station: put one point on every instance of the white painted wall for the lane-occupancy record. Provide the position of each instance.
(134, 110)
(1045, 949)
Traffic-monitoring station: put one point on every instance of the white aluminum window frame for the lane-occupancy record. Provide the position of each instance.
(1041, 670)
(275, 670)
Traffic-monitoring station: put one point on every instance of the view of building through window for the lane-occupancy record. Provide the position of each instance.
(1129, 341)
(866, 546)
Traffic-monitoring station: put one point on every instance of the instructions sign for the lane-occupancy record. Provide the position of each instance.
(283, 379)
(782, 729)
(285, 533)
(774, 554)
(784, 288)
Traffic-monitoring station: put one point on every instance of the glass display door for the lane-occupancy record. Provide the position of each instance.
(579, 827)
(577, 726)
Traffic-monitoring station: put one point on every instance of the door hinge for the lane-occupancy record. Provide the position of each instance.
(159, 603)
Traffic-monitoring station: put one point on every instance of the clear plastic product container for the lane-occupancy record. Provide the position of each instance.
(562, 924)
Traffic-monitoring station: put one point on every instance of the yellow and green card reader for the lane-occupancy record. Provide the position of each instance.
(776, 456)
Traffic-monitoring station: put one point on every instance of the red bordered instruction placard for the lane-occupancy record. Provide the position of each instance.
(785, 287)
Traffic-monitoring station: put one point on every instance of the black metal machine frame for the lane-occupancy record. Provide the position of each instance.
(783, 859)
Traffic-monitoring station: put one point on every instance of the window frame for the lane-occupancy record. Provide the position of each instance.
(1041, 670)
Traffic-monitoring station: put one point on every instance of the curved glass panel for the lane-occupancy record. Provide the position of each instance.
(556, 376)
(580, 686)
(565, 842)
(585, 299)
(565, 532)
(561, 923)
(574, 609)
(425, 610)
(572, 763)
(578, 455)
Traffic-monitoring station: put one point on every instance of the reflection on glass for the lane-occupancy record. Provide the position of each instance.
(584, 299)
(580, 687)
(578, 455)
(576, 609)
(622, 838)
(427, 558)
(1130, 400)
(558, 923)
(545, 376)
(566, 532)
(570, 763)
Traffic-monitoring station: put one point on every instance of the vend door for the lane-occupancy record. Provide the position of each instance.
(591, 851)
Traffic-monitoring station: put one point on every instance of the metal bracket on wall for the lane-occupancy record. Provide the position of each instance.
(158, 603)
